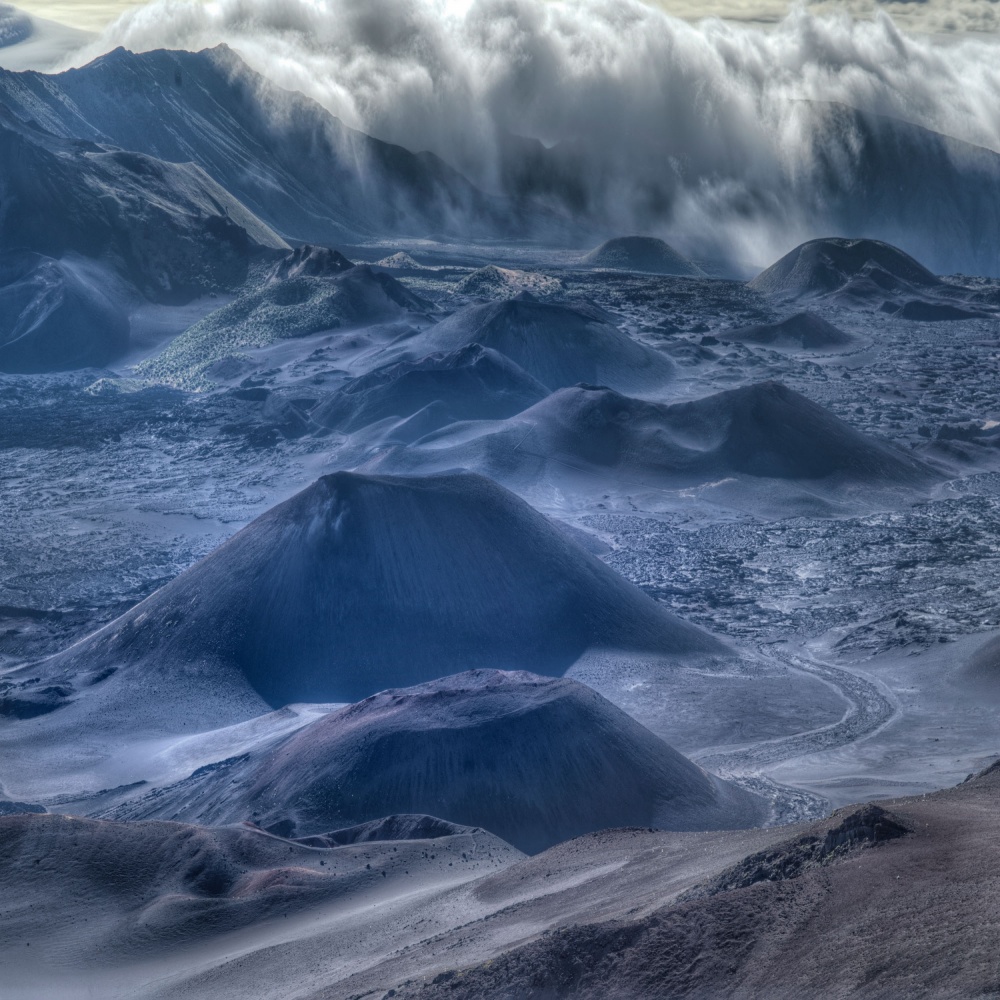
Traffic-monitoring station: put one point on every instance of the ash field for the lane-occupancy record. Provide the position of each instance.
(396, 606)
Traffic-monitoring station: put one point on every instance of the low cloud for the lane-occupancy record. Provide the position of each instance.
(713, 126)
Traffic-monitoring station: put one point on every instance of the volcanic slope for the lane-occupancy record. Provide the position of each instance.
(141, 893)
(763, 431)
(919, 189)
(52, 318)
(557, 344)
(283, 308)
(471, 383)
(535, 760)
(875, 899)
(355, 584)
(284, 156)
(643, 254)
(168, 228)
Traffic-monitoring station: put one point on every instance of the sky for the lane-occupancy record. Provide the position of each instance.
(89, 14)
(929, 16)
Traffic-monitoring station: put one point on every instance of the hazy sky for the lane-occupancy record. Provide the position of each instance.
(935, 16)
(92, 14)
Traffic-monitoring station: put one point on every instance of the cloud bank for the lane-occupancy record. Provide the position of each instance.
(936, 17)
(717, 134)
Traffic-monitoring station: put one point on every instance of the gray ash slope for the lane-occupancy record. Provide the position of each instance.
(534, 760)
(764, 431)
(285, 157)
(153, 889)
(399, 826)
(630, 914)
(871, 900)
(168, 228)
(471, 383)
(559, 345)
(52, 318)
(355, 584)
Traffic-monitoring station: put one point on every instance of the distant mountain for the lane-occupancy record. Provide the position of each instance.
(314, 179)
(167, 227)
(26, 40)
(286, 158)
(936, 196)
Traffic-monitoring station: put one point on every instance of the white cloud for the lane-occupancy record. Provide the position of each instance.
(933, 16)
(719, 118)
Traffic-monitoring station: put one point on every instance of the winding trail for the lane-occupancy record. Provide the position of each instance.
(869, 709)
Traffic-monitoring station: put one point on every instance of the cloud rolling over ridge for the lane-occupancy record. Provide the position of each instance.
(729, 139)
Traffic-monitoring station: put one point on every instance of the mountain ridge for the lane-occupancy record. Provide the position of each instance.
(289, 160)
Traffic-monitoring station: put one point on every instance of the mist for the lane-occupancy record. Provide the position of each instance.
(731, 140)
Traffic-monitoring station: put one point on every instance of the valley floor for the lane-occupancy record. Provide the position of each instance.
(855, 612)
